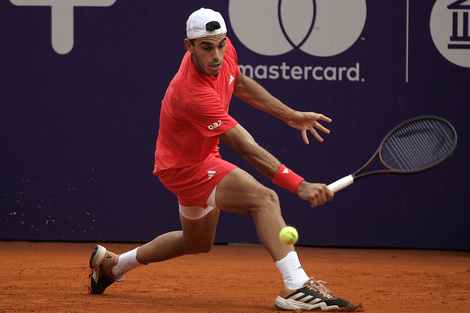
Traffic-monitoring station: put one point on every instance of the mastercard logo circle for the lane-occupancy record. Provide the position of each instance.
(317, 27)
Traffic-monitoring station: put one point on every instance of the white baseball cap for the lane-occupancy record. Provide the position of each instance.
(197, 21)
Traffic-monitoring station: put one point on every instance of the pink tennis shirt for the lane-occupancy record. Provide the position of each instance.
(194, 112)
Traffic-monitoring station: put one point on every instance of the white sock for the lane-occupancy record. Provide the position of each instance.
(291, 270)
(126, 262)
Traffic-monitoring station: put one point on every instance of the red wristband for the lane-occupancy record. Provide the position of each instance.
(287, 179)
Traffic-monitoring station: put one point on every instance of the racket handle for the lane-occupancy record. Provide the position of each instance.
(341, 183)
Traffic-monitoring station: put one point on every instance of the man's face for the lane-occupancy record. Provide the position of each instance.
(208, 53)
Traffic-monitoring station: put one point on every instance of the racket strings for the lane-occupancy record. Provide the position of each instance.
(417, 146)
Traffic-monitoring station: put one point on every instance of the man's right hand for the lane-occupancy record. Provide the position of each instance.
(315, 194)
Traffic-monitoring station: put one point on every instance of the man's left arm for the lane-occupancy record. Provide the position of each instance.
(254, 94)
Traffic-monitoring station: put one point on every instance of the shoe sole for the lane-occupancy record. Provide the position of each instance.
(293, 305)
(95, 260)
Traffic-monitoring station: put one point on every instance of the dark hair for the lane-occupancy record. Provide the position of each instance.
(211, 26)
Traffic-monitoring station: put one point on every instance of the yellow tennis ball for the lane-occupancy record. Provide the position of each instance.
(289, 235)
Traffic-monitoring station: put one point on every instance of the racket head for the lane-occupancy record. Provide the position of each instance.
(418, 144)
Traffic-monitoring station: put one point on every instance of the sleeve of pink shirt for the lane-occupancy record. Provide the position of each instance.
(209, 116)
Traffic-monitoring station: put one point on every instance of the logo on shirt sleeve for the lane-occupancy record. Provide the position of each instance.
(215, 125)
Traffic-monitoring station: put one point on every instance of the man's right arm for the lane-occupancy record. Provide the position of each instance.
(240, 140)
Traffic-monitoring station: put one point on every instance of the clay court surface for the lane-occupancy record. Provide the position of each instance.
(53, 277)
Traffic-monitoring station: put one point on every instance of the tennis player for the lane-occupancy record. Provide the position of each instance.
(194, 117)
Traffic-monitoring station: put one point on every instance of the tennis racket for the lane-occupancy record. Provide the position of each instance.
(414, 146)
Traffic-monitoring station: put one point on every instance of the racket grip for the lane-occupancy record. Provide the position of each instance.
(341, 183)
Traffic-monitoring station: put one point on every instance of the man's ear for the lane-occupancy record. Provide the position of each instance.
(188, 45)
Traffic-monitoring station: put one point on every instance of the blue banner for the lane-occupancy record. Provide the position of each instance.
(81, 87)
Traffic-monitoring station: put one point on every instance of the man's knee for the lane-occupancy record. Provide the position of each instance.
(270, 196)
(266, 199)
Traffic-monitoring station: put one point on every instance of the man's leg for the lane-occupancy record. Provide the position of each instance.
(197, 236)
(240, 193)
